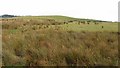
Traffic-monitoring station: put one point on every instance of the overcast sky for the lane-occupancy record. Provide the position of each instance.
(91, 9)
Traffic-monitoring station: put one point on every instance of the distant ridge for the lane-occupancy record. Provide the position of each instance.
(7, 16)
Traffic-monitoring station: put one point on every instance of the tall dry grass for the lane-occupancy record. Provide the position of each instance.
(33, 43)
(44, 48)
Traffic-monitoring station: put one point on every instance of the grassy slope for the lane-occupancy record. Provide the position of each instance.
(33, 44)
(57, 17)
(108, 26)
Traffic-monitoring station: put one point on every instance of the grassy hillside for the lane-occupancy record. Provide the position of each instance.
(60, 18)
(59, 41)
(59, 22)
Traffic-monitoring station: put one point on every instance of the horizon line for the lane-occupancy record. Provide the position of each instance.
(60, 15)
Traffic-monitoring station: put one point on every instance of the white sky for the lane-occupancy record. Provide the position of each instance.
(91, 9)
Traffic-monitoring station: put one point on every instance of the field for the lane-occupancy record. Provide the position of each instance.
(59, 41)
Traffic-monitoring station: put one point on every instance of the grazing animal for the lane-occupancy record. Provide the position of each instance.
(96, 23)
(64, 22)
(102, 26)
(70, 21)
(83, 22)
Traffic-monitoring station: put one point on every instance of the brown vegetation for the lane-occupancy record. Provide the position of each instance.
(33, 43)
